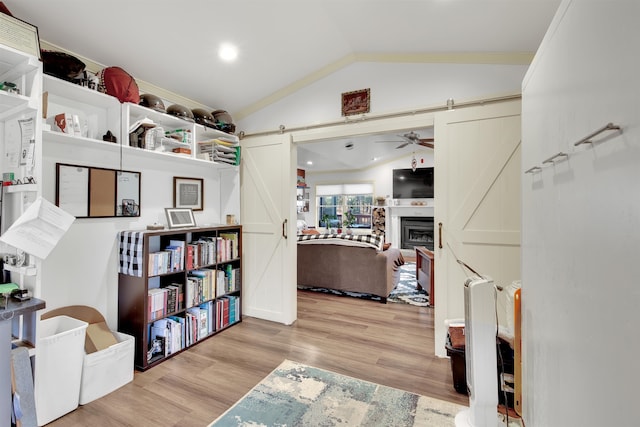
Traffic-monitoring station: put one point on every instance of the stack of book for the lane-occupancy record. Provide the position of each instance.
(167, 336)
(166, 300)
(227, 311)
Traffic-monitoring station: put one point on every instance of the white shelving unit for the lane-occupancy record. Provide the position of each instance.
(20, 134)
(131, 113)
(20, 128)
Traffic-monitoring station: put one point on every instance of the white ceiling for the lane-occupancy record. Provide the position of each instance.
(173, 44)
(367, 151)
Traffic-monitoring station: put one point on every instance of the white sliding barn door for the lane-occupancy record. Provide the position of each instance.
(269, 229)
(477, 203)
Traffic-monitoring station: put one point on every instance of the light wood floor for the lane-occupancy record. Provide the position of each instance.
(390, 344)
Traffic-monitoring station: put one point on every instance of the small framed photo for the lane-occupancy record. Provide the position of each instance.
(180, 217)
(187, 193)
(356, 102)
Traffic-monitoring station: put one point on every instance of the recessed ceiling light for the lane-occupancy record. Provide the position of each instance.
(309, 162)
(228, 52)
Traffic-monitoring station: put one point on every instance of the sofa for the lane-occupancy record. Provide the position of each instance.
(349, 263)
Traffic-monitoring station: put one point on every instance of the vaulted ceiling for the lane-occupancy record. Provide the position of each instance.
(283, 44)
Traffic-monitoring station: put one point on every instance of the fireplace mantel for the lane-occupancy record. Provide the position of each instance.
(407, 210)
(398, 211)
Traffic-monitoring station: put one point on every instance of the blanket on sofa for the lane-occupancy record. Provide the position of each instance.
(363, 240)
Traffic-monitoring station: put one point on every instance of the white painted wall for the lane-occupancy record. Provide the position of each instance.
(83, 268)
(394, 87)
(580, 233)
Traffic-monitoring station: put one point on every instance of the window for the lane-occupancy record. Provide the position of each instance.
(334, 201)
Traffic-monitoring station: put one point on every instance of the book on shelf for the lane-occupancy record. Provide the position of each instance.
(208, 307)
(180, 244)
(191, 256)
(234, 310)
(232, 278)
(196, 319)
(206, 251)
(206, 282)
(157, 348)
(192, 291)
(157, 303)
(234, 249)
(227, 311)
(180, 322)
(175, 298)
(191, 320)
(221, 283)
(170, 330)
(172, 296)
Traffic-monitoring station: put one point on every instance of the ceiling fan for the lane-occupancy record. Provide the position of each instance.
(413, 138)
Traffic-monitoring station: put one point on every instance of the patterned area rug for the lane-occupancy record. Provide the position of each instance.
(299, 395)
(406, 292)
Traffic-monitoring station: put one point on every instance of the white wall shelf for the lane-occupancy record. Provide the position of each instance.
(24, 270)
(20, 188)
(64, 138)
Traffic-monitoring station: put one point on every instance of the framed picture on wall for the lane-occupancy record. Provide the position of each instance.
(356, 102)
(188, 193)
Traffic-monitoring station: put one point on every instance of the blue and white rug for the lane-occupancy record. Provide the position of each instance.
(299, 395)
(407, 289)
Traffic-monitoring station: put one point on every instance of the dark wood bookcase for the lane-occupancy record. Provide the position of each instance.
(137, 277)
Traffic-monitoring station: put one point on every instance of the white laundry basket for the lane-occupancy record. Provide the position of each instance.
(58, 366)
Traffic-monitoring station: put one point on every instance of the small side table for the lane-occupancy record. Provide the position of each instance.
(424, 271)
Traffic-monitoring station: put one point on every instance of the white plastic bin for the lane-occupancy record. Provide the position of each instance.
(107, 370)
(58, 367)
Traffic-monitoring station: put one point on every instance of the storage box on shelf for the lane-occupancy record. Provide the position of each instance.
(178, 287)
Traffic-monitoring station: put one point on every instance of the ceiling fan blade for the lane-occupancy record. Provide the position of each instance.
(403, 145)
(425, 143)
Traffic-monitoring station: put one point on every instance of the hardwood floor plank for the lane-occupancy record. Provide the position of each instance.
(390, 344)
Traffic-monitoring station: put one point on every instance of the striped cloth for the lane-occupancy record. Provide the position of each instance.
(367, 240)
(131, 253)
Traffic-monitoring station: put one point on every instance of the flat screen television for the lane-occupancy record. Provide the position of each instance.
(409, 184)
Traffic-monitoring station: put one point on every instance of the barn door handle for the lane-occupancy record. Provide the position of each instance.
(284, 228)
(440, 235)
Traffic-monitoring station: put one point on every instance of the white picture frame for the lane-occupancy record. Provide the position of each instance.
(180, 217)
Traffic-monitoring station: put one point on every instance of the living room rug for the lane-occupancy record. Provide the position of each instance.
(407, 289)
(299, 395)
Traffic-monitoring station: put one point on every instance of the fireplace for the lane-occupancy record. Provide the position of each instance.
(416, 231)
